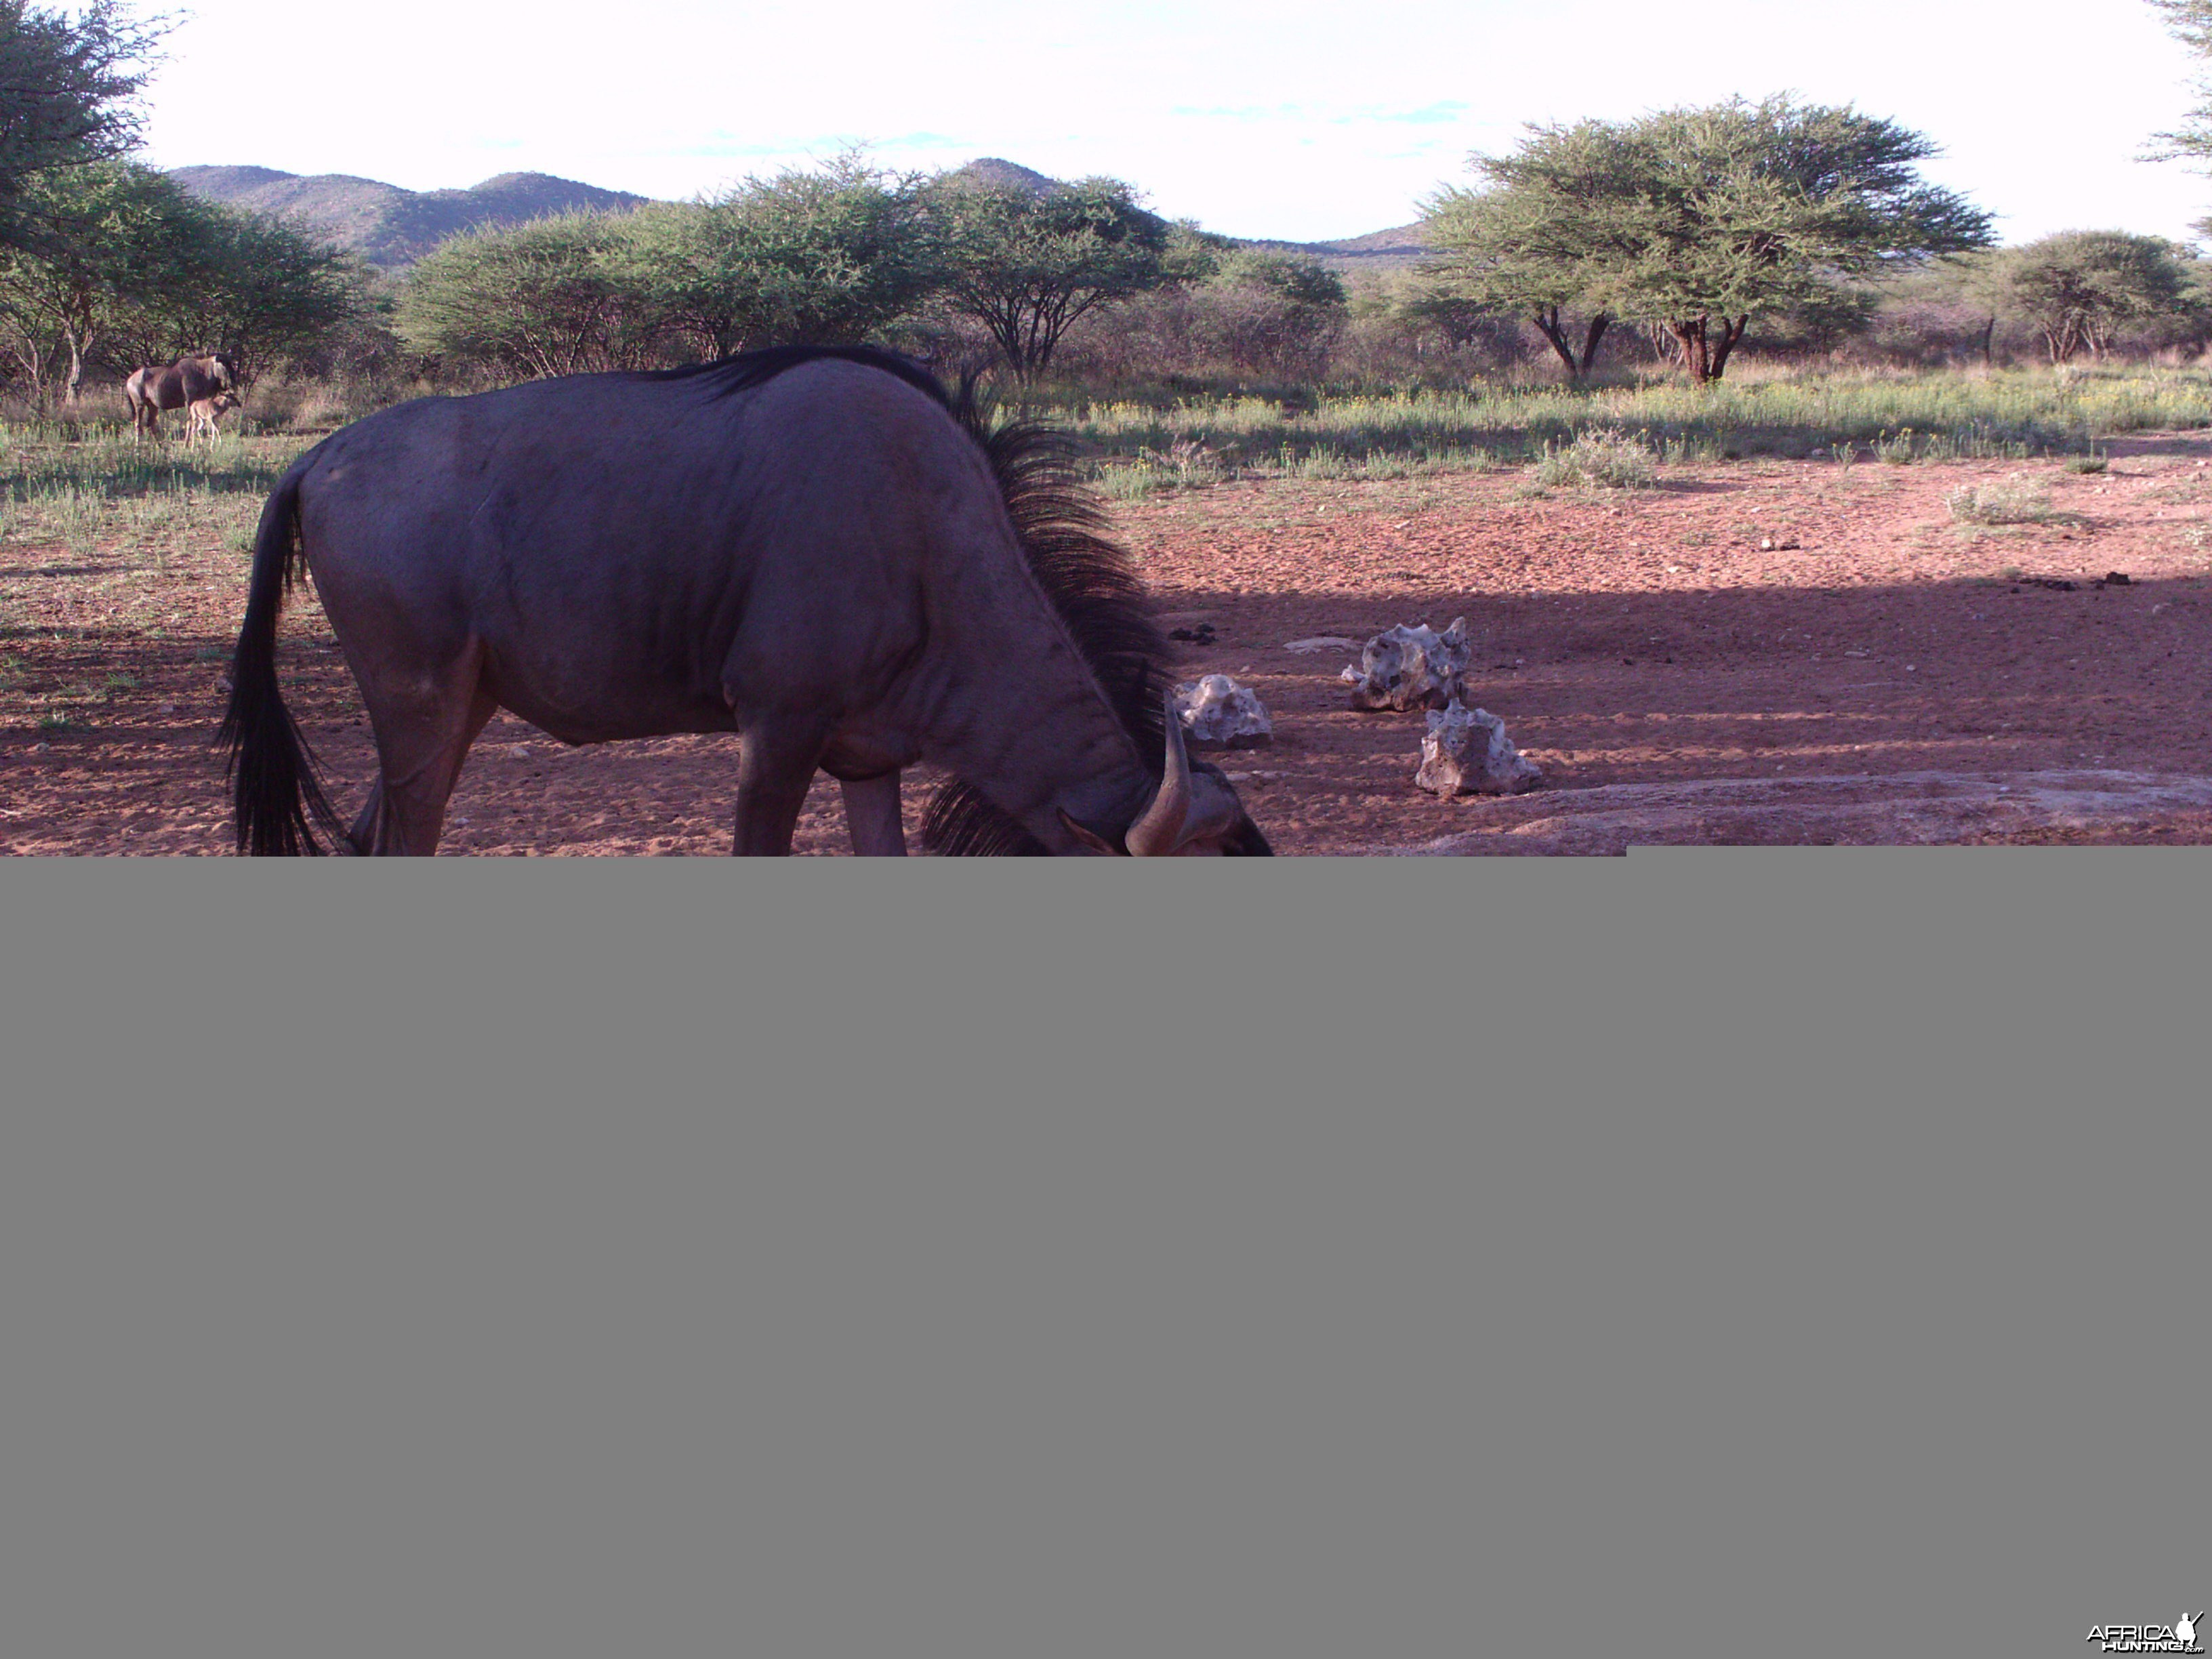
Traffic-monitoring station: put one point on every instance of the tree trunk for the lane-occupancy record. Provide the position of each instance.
(32, 357)
(1547, 323)
(1989, 334)
(1705, 356)
(1599, 323)
(77, 349)
(1732, 332)
(1690, 334)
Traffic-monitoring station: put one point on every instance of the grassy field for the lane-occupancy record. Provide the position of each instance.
(1899, 418)
(125, 533)
(80, 486)
(100, 490)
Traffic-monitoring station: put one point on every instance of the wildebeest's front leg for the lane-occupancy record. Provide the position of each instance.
(871, 815)
(778, 753)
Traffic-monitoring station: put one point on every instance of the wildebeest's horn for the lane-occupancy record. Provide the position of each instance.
(1159, 831)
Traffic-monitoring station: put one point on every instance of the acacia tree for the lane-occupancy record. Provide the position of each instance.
(69, 88)
(260, 289)
(559, 295)
(1701, 220)
(1027, 263)
(2191, 23)
(1520, 248)
(827, 258)
(106, 233)
(2081, 287)
(1277, 313)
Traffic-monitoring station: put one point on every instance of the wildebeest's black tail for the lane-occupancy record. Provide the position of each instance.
(275, 791)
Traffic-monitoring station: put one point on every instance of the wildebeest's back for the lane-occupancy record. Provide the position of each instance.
(611, 531)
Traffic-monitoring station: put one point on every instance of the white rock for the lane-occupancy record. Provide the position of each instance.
(1321, 642)
(1410, 668)
(1220, 714)
(1467, 752)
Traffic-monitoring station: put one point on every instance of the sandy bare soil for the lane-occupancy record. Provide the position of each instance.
(1764, 651)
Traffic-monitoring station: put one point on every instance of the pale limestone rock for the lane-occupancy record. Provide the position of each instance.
(1408, 668)
(1467, 752)
(1220, 714)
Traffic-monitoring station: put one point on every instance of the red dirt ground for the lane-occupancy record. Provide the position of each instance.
(1764, 651)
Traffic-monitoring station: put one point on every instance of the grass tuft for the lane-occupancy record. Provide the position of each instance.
(1600, 458)
(2014, 501)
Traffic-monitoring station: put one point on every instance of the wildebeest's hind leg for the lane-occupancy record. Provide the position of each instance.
(871, 815)
(420, 746)
(778, 753)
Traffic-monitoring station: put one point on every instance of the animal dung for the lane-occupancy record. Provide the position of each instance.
(1201, 635)
(1408, 668)
(1217, 713)
(1467, 752)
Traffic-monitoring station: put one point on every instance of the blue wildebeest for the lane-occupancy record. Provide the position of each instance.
(817, 548)
(175, 385)
(205, 412)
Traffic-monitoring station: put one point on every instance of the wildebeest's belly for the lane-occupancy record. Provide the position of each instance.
(593, 644)
(602, 692)
(608, 720)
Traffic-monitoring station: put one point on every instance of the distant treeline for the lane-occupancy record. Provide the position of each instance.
(1680, 239)
(1080, 284)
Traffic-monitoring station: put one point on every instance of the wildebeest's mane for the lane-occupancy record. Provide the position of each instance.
(1061, 526)
(1091, 582)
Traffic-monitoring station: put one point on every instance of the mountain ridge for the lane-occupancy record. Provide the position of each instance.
(392, 227)
(389, 226)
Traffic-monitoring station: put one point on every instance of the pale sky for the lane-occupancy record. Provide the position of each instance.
(1294, 119)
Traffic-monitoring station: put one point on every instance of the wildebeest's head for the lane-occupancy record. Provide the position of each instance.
(224, 370)
(1195, 812)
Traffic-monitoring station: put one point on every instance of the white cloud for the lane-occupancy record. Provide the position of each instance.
(1294, 119)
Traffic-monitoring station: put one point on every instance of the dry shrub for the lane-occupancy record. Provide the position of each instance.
(1601, 457)
(2012, 501)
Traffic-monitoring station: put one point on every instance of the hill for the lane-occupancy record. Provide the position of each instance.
(1401, 242)
(1394, 249)
(388, 226)
(994, 170)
